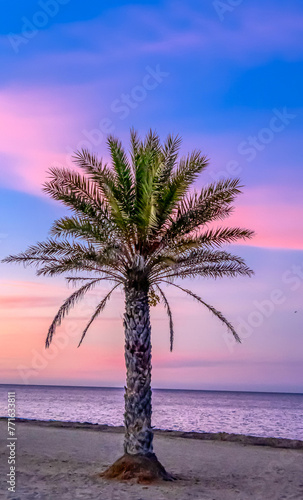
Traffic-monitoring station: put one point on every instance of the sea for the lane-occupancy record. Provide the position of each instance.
(250, 413)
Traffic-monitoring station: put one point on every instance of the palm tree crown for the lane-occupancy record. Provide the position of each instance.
(138, 223)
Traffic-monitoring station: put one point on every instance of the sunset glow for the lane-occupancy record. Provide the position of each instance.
(231, 87)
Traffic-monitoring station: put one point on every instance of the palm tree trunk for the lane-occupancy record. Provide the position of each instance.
(138, 462)
(138, 407)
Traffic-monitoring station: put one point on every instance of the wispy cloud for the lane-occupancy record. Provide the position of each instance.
(36, 125)
(276, 215)
(251, 38)
(21, 301)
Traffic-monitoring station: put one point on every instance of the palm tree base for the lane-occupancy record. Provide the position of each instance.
(142, 468)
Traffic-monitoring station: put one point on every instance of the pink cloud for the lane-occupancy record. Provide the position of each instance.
(23, 351)
(37, 129)
(276, 216)
(34, 131)
(18, 301)
(200, 358)
(274, 211)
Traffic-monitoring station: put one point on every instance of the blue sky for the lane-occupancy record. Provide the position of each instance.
(229, 81)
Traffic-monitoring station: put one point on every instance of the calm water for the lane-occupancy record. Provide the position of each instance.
(258, 414)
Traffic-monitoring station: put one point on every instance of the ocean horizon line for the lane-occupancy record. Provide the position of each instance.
(154, 389)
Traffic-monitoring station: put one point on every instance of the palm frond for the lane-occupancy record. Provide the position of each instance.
(148, 164)
(91, 231)
(107, 268)
(176, 188)
(48, 252)
(55, 248)
(23, 258)
(77, 192)
(65, 308)
(75, 279)
(54, 257)
(199, 262)
(57, 267)
(98, 310)
(171, 325)
(169, 157)
(220, 236)
(178, 256)
(220, 270)
(187, 172)
(123, 173)
(212, 203)
(135, 146)
(216, 313)
(104, 178)
(211, 238)
(53, 254)
(97, 171)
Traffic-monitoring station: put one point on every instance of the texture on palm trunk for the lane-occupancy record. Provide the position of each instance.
(138, 223)
(138, 409)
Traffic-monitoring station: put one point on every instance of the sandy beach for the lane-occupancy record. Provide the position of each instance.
(63, 461)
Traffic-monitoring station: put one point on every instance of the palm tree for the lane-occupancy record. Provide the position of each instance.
(138, 223)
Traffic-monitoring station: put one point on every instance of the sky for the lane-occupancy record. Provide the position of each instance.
(225, 75)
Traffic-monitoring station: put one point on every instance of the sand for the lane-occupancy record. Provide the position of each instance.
(63, 462)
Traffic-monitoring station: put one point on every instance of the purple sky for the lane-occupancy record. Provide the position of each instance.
(229, 81)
